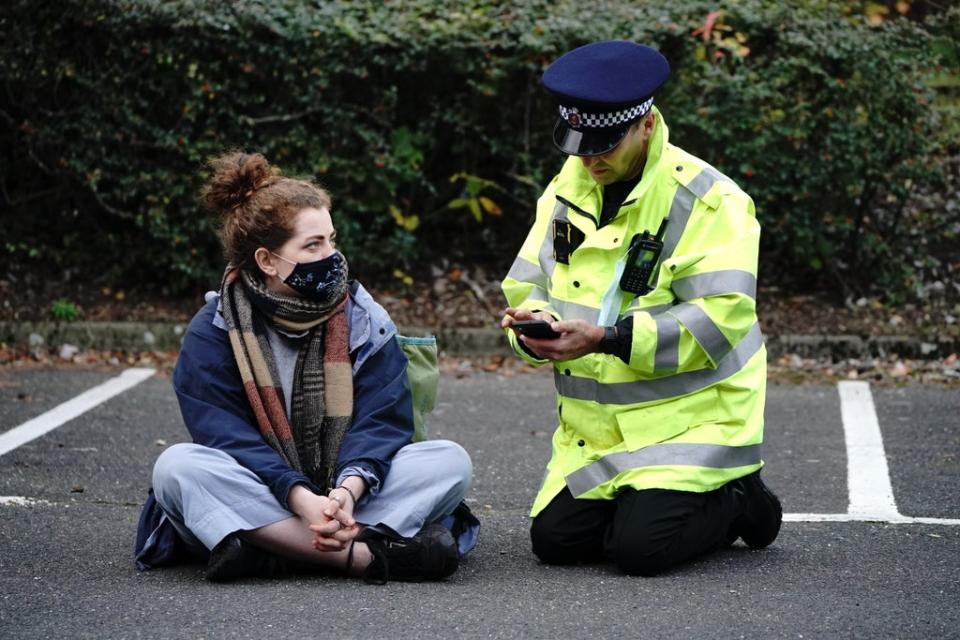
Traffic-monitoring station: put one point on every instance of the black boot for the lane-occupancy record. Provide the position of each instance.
(430, 555)
(233, 559)
(760, 512)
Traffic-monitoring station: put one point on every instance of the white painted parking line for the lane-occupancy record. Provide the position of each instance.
(868, 477)
(20, 501)
(46, 422)
(849, 517)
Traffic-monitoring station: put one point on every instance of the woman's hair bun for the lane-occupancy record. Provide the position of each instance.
(236, 177)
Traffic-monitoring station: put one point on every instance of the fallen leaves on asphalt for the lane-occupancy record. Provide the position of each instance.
(891, 371)
(39, 357)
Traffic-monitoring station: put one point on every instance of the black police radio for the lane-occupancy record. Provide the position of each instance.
(642, 258)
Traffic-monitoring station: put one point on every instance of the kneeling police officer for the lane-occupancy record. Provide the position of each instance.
(643, 258)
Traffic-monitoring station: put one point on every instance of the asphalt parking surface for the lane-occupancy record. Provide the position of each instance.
(66, 564)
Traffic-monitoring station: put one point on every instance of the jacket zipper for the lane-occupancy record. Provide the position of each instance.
(578, 209)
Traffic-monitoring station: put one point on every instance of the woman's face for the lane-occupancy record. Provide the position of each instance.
(313, 239)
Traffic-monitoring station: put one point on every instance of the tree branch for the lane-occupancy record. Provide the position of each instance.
(479, 295)
(126, 215)
(286, 117)
(30, 197)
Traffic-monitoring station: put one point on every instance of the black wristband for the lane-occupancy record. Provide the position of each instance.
(610, 342)
(618, 340)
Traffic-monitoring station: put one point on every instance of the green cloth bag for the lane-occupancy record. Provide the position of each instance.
(423, 375)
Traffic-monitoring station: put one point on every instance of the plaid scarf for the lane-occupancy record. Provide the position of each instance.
(322, 403)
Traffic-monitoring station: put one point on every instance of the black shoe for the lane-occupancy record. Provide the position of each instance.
(429, 555)
(233, 559)
(761, 514)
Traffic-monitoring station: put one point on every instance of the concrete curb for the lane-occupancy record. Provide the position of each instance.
(107, 336)
(160, 336)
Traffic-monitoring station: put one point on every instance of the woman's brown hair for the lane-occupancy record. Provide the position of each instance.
(256, 206)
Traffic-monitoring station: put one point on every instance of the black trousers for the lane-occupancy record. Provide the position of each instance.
(642, 532)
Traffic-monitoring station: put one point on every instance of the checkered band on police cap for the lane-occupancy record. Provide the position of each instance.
(580, 120)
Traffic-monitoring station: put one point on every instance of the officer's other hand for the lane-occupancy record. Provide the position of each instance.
(578, 338)
(513, 314)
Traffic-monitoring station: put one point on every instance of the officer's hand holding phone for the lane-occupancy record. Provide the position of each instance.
(529, 325)
(576, 337)
(539, 329)
(512, 315)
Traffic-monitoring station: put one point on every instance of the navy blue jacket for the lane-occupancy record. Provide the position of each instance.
(217, 414)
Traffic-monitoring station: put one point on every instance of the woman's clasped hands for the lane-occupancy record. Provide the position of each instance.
(329, 517)
(337, 527)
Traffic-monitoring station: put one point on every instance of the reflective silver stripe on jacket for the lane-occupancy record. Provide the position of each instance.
(539, 295)
(715, 283)
(667, 357)
(682, 207)
(529, 273)
(573, 311)
(660, 388)
(522, 270)
(704, 181)
(703, 329)
(539, 274)
(680, 210)
(652, 310)
(714, 456)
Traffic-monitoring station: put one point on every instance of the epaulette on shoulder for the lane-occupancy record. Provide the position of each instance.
(700, 180)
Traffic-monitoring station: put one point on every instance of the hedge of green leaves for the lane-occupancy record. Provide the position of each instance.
(426, 121)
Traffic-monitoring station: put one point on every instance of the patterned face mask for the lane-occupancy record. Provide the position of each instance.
(323, 281)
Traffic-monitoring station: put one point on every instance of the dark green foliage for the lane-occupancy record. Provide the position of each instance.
(109, 110)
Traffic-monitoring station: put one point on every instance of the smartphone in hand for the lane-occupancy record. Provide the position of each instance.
(539, 329)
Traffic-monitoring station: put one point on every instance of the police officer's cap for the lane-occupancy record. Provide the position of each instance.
(602, 88)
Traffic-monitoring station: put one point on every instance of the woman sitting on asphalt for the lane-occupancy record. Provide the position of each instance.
(294, 390)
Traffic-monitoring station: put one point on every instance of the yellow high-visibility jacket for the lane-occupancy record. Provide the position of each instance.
(686, 413)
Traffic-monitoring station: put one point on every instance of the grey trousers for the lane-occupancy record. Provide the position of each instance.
(208, 495)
